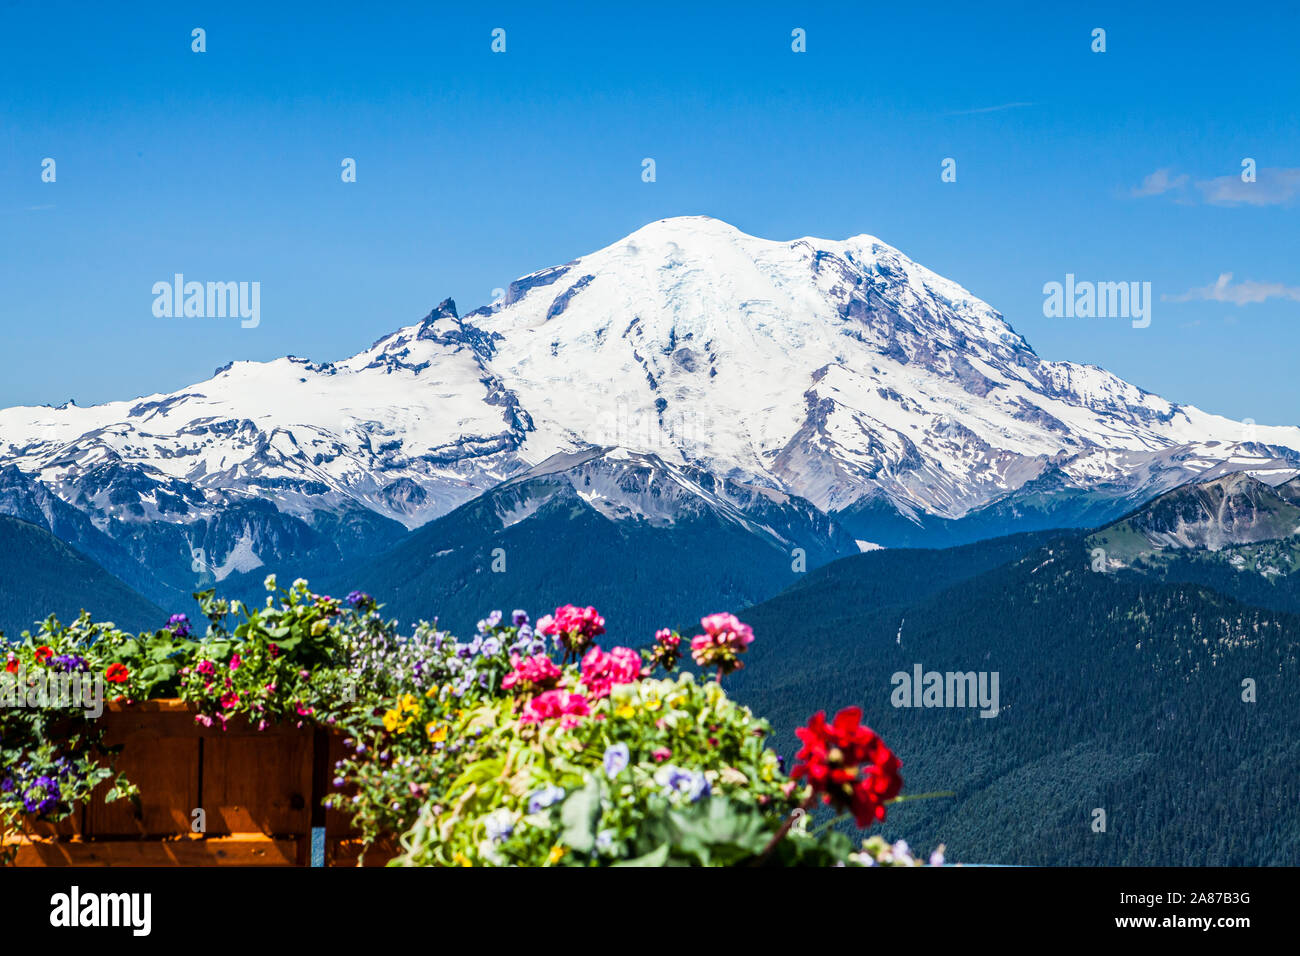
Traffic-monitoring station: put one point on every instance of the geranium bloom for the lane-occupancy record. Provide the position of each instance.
(666, 650)
(532, 674)
(11, 664)
(43, 654)
(206, 668)
(555, 703)
(724, 639)
(573, 628)
(117, 674)
(849, 765)
(601, 671)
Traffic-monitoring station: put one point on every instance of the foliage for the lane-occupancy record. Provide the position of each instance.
(483, 752)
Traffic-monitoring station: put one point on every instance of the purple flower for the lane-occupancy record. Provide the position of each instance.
(42, 796)
(617, 757)
(548, 796)
(70, 662)
(519, 618)
(690, 783)
(179, 625)
(358, 598)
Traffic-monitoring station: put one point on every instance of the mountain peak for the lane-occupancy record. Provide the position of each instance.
(446, 309)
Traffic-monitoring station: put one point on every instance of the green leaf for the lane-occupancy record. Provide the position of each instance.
(578, 816)
(656, 857)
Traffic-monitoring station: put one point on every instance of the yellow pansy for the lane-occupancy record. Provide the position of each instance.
(556, 854)
(409, 702)
(437, 732)
(625, 711)
(392, 720)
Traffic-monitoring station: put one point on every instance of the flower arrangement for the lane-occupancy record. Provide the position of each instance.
(528, 744)
(606, 757)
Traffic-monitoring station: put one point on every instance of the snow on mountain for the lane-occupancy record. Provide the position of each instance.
(835, 372)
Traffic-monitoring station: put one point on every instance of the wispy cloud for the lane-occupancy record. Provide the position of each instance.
(1243, 293)
(1274, 186)
(989, 109)
(1161, 181)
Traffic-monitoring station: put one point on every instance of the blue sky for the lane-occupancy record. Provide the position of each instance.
(475, 168)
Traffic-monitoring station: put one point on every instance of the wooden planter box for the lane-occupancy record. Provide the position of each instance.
(261, 792)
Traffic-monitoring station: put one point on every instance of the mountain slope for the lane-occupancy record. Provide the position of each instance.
(1233, 535)
(840, 373)
(40, 576)
(638, 538)
(1117, 692)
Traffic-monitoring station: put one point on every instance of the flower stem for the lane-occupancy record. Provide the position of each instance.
(785, 828)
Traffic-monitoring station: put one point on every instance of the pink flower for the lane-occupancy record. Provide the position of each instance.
(573, 628)
(555, 703)
(661, 754)
(724, 639)
(203, 719)
(206, 668)
(532, 674)
(601, 671)
(229, 700)
(273, 650)
(302, 711)
(666, 651)
(235, 661)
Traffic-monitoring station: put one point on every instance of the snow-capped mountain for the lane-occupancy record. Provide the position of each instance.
(835, 373)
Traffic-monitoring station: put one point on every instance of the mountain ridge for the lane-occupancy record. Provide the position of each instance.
(838, 372)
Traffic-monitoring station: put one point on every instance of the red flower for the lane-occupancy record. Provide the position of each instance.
(849, 765)
(117, 674)
(43, 654)
(11, 665)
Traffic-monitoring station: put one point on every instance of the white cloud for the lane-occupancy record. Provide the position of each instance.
(1273, 187)
(1161, 181)
(1243, 293)
(989, 109)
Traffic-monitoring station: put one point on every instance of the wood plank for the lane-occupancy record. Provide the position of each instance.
(235, 850)
(258, 784)
(166, 769)
(346, 852)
